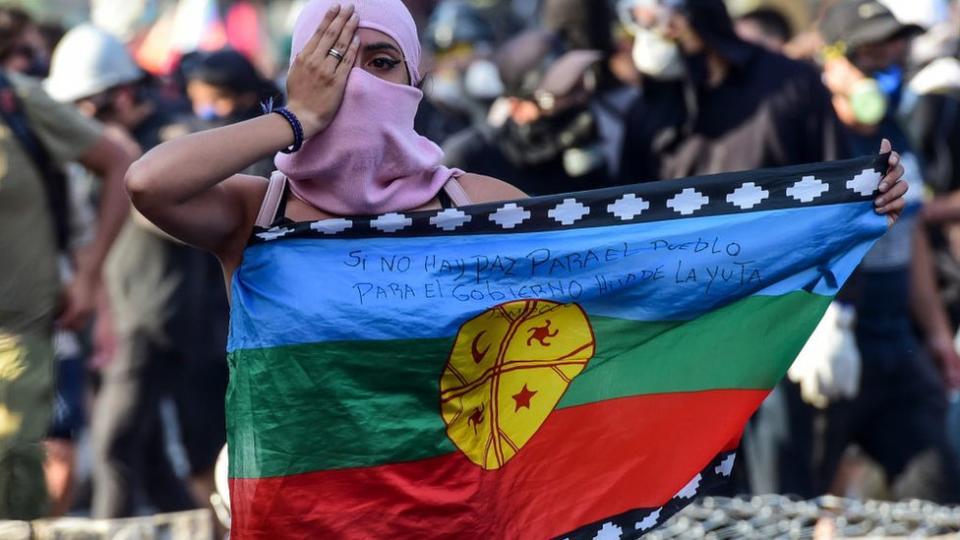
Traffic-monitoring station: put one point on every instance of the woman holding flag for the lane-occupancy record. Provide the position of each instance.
(358, 138)
(347, 148)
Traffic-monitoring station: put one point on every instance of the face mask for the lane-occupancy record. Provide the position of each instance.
(444, 88)
(890, 81)
(207, 113)
(482, 81)
(657, 57)
(369, 160)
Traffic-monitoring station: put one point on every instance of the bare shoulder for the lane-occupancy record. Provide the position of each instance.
(251, 189)
(484, 189)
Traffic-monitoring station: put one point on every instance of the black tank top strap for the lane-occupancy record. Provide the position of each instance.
(281, 219)
(445, 200)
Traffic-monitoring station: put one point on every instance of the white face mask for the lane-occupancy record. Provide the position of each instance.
(656, 56)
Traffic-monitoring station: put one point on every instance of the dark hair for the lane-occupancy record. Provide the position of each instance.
(230, 70)
(13, 22)
(771, 22)
(52, 33)
(582, 24)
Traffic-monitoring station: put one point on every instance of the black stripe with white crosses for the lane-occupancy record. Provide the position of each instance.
(729, 193)
(636, 523)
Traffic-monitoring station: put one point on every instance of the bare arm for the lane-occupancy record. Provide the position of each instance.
(180, 185)
(109, 159)
(189, 186)
(928, 309)
(943, 209)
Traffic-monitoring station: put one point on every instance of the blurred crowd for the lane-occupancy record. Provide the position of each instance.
(112, 335)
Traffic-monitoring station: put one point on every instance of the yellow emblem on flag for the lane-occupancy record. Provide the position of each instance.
(508, 370)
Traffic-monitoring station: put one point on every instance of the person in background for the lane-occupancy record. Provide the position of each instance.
(69, 354)
(165, 315)
(224, 88)
(931, 117)
(43, 137)
(765, 26)
(543, 136)
(51, 33)
(588, 25)
(24, 48)
(712, 102)
(71, 350)
(779, 25)
(931, 113)
(463, 81)
(898, 416)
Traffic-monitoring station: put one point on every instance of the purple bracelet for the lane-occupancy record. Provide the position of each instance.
(297, 129)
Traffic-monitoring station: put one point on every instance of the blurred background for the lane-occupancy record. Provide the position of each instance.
(862, 439)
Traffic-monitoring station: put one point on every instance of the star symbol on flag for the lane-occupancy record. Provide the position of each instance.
(524, 397)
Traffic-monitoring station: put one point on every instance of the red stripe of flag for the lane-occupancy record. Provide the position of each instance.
(585, 464)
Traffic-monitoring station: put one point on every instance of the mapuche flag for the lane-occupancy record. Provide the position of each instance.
(573, 366)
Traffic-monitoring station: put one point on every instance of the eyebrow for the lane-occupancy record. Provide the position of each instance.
(381, 46)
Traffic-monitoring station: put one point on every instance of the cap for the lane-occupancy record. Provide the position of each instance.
(855, 23)
(561, 77)
(535, 64)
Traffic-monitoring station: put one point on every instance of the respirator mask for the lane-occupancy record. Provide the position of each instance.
(654, 55)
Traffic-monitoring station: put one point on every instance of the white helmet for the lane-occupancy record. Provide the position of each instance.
(88, 61)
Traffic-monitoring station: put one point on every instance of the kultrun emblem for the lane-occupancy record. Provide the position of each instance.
(508, 370)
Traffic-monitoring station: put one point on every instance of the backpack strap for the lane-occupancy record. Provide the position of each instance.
(272, 200)
(457, 194)
(54, 180)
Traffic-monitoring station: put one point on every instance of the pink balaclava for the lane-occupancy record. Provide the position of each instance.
(369, 160)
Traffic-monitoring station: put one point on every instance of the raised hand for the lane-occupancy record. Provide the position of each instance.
(892, 187)
(318, 76)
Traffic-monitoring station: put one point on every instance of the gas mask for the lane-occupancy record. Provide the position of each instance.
(569, 136)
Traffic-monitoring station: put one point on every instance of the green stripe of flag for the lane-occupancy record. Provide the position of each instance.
(745, 346)
(381, 398)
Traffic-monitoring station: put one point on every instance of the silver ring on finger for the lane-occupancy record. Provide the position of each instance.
(336, 54)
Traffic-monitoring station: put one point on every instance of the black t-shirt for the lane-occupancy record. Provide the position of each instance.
(770, 111)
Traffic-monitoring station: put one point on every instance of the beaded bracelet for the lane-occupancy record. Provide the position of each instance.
(297, 130)
(292, 119)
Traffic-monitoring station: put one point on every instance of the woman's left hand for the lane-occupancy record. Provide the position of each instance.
(891, 203)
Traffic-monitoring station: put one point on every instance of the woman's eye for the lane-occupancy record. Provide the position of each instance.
(384, 63)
